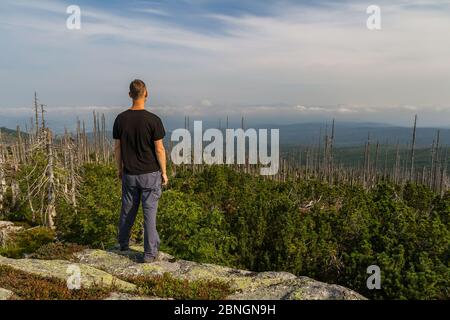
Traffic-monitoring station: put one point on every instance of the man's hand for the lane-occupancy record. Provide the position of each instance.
(164, 179)
(161, 156)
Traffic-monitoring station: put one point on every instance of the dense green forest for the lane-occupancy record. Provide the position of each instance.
(330, 233)
(353, 156)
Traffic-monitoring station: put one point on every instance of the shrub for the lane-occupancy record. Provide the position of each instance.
(57, 251)
(403, 230)
(221, 216)
(190, 232)
(166, 286)
(27, 242)
(97, 217)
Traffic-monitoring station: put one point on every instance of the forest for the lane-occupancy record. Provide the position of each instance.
(319, 220)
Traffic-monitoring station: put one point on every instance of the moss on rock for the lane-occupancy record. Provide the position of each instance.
(90, 276)
(244, 284)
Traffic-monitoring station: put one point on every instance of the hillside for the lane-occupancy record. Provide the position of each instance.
(9, 136)
(222, 217)
(355, 134)
(353, 156)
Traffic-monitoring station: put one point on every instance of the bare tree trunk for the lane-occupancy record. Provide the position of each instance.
(73, 180)
(95, 136)
(42, 117)
(385, 174)
(36, 116)
(2, 178)
(30, 203)
(375, 167)
(19, 145)
(397, 164)
(436, 161)
(14, 193)
(51, 211)
(103, 140)
(413, 147)
(331, 160)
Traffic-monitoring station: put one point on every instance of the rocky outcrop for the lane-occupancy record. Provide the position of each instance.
(7, 229)
(245, 284)
(99, 267)
(60, 269)
(129, 296)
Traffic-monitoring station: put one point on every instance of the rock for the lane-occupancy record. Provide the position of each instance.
(6, 294)
(99, 267)
(58, 268)
(7, 229)
(246, 284)
(127, 296)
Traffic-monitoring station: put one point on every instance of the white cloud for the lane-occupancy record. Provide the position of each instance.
(152, 11)
(206, 103)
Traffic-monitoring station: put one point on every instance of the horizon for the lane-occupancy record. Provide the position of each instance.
(347, 134)
(59, 125)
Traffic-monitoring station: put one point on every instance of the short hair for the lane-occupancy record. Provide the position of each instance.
(137, 89)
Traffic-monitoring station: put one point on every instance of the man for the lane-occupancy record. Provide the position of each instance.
(141, 162)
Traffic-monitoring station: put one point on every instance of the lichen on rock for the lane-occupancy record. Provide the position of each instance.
(90, 276)
(245, 284)
(6, 294)
(110, 268)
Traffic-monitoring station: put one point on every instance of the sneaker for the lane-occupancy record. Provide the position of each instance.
(150, 259)
(124, 248)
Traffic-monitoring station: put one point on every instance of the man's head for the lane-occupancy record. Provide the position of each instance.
(138, 90)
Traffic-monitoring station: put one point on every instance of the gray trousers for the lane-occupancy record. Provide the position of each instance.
(145, 187)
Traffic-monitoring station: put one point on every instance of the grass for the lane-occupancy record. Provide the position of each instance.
(166, 286)
(34, 287)
(57, 251)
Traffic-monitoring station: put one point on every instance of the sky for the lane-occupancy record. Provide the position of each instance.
(269, 61)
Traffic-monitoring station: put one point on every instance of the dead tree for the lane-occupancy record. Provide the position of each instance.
(51, 210)
(95, 137)
(436, 161)
(397, 164)
(15, 192)
(42, 116)
(73, 179)
(2, 177)
(413, 147)
(36, 116)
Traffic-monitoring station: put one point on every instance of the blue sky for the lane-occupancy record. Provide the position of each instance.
(283, 61)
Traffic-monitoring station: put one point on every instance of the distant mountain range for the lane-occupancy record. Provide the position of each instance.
(347, 134)
(353, 134)
(9, 135)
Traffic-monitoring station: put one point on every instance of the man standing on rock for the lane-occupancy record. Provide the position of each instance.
(141, 162)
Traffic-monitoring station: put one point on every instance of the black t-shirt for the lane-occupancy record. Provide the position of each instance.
(137, 130)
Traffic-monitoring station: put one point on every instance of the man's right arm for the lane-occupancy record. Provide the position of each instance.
(117, 146)
(161, 156)
(118, 156)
